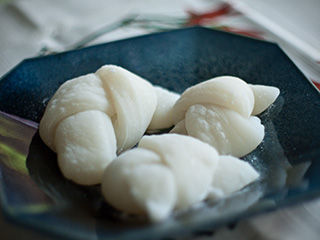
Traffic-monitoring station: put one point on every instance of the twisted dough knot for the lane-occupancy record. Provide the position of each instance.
(219, 111)
(163, 173)
(169, 172)
(93, 117)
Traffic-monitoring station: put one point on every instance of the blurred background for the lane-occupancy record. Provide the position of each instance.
(31, 27)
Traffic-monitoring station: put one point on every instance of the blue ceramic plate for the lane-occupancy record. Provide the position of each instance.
(33, 191)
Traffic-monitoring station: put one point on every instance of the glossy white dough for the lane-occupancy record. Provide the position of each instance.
(138, 183)
(231, 175)
(228, 131)
(219, 111)
(226, 91)
(165, 172)
(83, 155)
(125, 99)
(134, 100)
(180, 128)
(163, 115)
(76, 95)
(264, 96)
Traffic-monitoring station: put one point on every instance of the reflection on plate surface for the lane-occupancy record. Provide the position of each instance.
(33, 191)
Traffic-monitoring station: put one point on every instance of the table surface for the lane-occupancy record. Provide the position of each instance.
(29, 29)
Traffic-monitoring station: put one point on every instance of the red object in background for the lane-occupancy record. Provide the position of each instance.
(200, 19)
(316, 84)
(209, 18)
(245, 32)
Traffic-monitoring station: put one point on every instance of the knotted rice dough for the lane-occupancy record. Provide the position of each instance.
(220, 112)
(93, 117)
(169, 172)
(163, 173)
